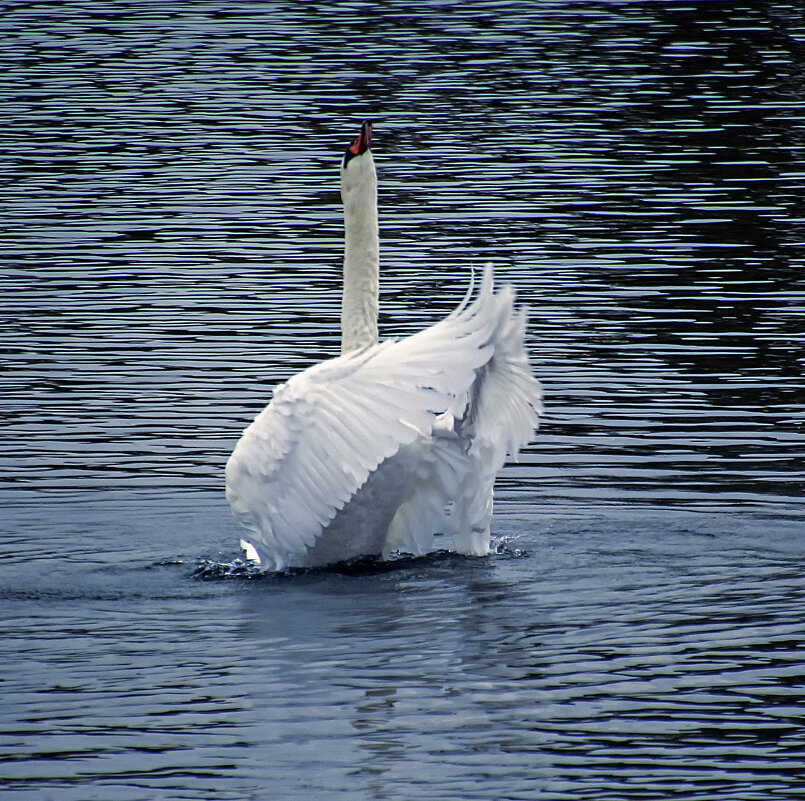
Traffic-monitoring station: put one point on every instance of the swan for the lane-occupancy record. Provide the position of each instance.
(391, 443)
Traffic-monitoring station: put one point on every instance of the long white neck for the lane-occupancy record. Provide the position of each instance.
(361, 253)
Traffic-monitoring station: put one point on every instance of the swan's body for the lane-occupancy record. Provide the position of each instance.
(391, 443)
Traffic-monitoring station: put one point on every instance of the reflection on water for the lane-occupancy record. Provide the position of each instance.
(624, 655)
(171, 249)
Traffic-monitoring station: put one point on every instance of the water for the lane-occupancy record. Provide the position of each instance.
(170, 235)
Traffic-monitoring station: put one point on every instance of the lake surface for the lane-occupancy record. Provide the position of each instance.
(171, 244)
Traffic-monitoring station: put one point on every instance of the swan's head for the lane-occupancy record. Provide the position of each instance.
(358, 168)
(361, 145)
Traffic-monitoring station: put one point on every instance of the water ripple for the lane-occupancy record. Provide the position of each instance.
(171, 239)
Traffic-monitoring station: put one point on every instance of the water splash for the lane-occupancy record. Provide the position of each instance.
(217, 570)
(247, 570)
(501, 546)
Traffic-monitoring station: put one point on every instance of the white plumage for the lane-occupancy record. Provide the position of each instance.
(389, 444)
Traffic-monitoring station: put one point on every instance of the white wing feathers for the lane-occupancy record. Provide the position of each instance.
(497, 416)
(459, 393)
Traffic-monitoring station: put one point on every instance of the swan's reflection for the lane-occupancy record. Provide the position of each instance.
(370, 663)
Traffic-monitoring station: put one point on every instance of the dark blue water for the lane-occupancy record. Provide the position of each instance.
(170, 236)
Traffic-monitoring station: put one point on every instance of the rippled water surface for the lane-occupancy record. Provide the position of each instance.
(170, 235)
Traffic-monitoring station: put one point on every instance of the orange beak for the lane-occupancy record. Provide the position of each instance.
(364, 140)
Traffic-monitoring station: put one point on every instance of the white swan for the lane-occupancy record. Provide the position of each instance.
(391, 443)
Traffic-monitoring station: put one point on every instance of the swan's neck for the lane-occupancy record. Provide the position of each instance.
(361, 253)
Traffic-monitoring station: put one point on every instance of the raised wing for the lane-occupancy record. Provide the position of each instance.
(497, 416)
(329, 427)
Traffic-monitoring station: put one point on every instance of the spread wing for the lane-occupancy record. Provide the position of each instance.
(329, 427)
